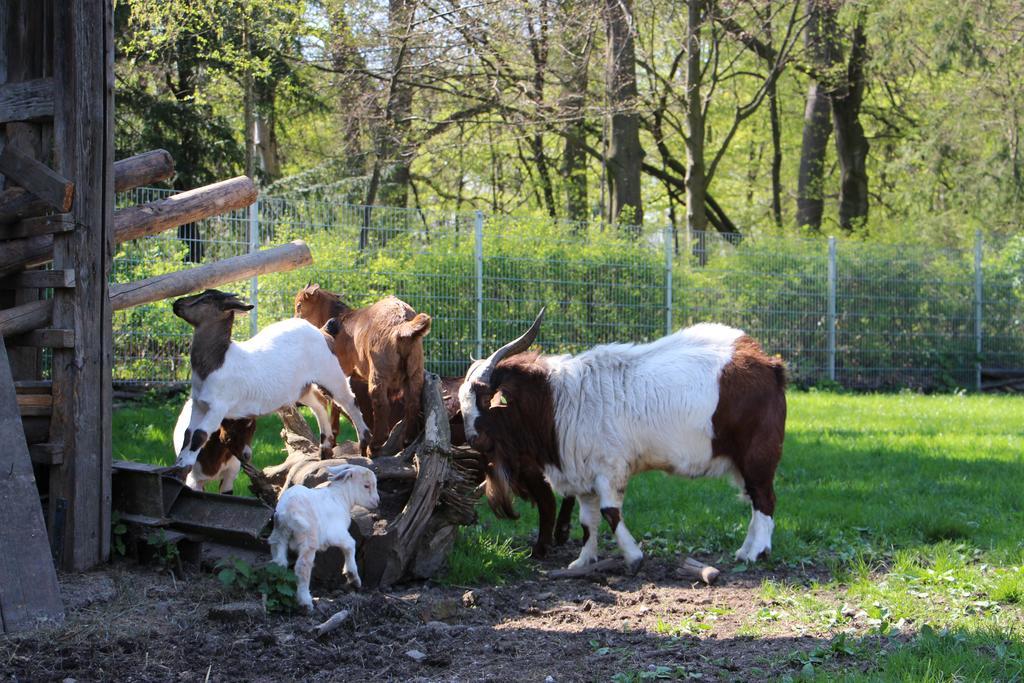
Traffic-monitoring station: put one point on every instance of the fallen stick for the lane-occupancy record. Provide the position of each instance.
(591, 568)
(331, 624)
(698, 571)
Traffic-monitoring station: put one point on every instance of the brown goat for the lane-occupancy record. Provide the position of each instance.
(381, 344)
(222, 454)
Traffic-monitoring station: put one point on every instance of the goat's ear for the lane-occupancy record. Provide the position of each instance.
(339, 473)
(236, 305)
(499, 400)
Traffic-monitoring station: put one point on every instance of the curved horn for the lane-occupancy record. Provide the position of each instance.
(512, 348)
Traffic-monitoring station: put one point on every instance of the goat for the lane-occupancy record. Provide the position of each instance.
(382, 344)
(307, 520)
(239, 380)
(222, 456)
(704, 401)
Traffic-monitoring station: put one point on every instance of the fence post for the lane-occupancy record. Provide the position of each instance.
(254, 287)
(832, 309)
(977, 308)
(668, 278)
(479, 253)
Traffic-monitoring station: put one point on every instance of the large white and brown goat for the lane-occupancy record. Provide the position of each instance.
(704, 401)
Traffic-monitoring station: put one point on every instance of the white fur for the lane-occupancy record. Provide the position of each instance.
(271, 370)
(308, 520)
(196, 479)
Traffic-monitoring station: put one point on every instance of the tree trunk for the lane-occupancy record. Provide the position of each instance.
(538, 43)
(851, 143)
(577, 45)
(822, 53)
(394, 149)
(696, 213)
(625, 155)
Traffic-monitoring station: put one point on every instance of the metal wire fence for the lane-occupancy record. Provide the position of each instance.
(860, 315)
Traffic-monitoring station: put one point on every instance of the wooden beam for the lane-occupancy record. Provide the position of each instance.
(40, 279)
(47, 338)
(16, 255)
(143, 169)
(16, 203)
(28, 582)
(83, 139)
(26, 317)
(186, 207)
(37, 178)
(276, 260)
(26, 101)
(35, 404)
(39, 225)
(46, 453)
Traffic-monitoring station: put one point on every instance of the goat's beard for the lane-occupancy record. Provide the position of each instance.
(499, 493)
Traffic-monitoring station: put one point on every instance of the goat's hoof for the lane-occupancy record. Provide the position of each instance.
(354, 581)
(326, 452)
(539, 552)
(561, 535)
(633, 566)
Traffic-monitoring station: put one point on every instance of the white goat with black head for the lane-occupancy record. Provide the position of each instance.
(704, 401)
(307, 520)
(236, 380)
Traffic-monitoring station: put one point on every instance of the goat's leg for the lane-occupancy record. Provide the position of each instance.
(303, 571)
(564, 522)
(205, 421)
(229, 474)
(381, 413)
(590, 520)
(540, 491)
(336, 382)
(611, 509)
(348, 548)
(279, 545)
(413, 397)
(317, 402)
(762, 506)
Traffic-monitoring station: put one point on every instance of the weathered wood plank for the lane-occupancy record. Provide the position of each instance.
(33, 386)
(16, 255)
(26, 101)
(186, 207)
(279, 259)
(143, 169)
(84, 152)
(35, 404)
(37, 178)
(40, 279)
(16, 203)
(25, 318)
(46, 338)
(46, 453)
(28, 582)
(39, 225)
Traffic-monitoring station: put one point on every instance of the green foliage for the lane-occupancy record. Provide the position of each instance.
(276, 584)
(165, 551)
(479, 557)
(118, 532)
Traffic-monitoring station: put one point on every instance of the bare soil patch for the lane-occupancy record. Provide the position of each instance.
(128, 623)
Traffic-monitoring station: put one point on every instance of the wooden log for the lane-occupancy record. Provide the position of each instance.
(28, 582)
(46, 453)
(26, 317)
(26, 101)
(186, 207)
(46, 338)
(143, 169)
(16, 255)
(37, 178)
(279, 259)
(698, 571)
(40, 279)
(17, 203)
(593, 567)
(336, 620)
(39, 225)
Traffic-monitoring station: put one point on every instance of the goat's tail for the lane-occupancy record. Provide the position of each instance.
(417, 327)
(780, 372)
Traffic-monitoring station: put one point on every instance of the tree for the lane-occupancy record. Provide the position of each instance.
(625, 155)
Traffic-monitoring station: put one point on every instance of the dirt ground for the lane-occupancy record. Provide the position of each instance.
(128, 623)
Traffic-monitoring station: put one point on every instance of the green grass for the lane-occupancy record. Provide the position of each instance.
(915, 505)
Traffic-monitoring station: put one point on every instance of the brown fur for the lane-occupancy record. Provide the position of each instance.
(750, 420)
(212, 314)
(381, 344)
(229, 441)
(516, 463)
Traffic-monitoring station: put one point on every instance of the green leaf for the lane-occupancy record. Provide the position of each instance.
(226, 576)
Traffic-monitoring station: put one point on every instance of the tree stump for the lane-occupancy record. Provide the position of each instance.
(427, 491)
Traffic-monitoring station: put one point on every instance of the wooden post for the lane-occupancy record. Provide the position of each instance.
(279, 259)
(84, 136)
(143, 169)
(186, 207)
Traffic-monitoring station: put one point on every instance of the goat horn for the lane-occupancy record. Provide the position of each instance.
(512, 348)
